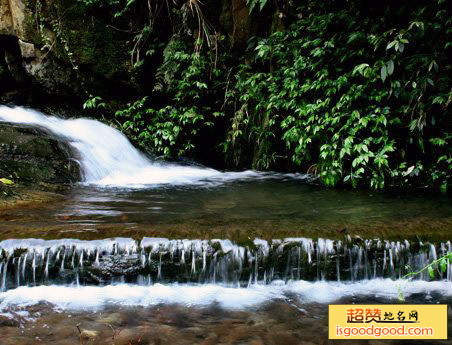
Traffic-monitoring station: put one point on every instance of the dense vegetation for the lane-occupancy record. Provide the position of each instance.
(358, 93)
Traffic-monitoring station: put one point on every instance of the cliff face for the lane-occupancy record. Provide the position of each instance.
(60, 48)
(65, 47)
(12, 18)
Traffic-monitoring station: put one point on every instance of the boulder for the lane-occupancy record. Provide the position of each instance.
(29, 156)
(117, 265)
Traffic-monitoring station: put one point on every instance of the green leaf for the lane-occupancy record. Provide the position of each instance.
(6, 181)
(431, 273)
(390, 67)
(383, 73)
(390, 45)
(443, 264)
(360, 69)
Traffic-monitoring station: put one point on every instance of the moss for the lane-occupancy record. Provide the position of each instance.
(30, 157)
(39, 147)
(26, 172)
(247, 242)
(92, 41)
(216, 246)
(82, 43)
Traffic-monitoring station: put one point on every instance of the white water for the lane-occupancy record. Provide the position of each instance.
(95, 297)
(107, 158)
(288, 259)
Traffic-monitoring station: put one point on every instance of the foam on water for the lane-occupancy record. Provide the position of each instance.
(107, 158)
(95, 297)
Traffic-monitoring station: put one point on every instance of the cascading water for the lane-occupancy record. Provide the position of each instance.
(73, 273)
(37, 262)
(107, 158)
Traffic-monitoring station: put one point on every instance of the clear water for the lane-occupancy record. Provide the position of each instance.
(275, 208)
(196, 249)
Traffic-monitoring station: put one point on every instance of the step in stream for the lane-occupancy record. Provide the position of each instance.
(33, 262)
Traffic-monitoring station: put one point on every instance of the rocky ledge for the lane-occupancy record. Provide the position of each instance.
(31, 158)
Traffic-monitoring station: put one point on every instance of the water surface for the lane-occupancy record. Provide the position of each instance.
(269, 208)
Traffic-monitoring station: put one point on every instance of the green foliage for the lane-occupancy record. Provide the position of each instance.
(173, 128)
(6, 181)
(436, 266)
(356, 93)
(256, 4)
(358, 99)
(94, 102)
(168, 130)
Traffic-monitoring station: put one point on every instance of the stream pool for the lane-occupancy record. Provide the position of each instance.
(145, 252)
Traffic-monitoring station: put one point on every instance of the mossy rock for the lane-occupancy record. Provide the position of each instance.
(86, 43)
(30, 157)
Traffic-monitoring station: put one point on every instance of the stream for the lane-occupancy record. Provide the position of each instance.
(147, 252)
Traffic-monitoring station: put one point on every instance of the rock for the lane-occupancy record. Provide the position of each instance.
(242, 21)
(113, 319)
(8, 322)
(18, 16)
(6, 22)
(12, 17)
(13, 71)
(116, 265)
(89, 334)
(28, 156)
(88, 53)
(27, 49)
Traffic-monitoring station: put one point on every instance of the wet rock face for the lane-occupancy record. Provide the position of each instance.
(8, 322)
(117, 265)
(29, 156)
(67, 261)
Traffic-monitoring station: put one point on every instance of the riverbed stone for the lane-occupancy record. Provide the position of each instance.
(87, 334)
(8, 322)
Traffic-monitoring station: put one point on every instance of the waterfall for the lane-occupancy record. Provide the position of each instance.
(107, 158)
(161, 260)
